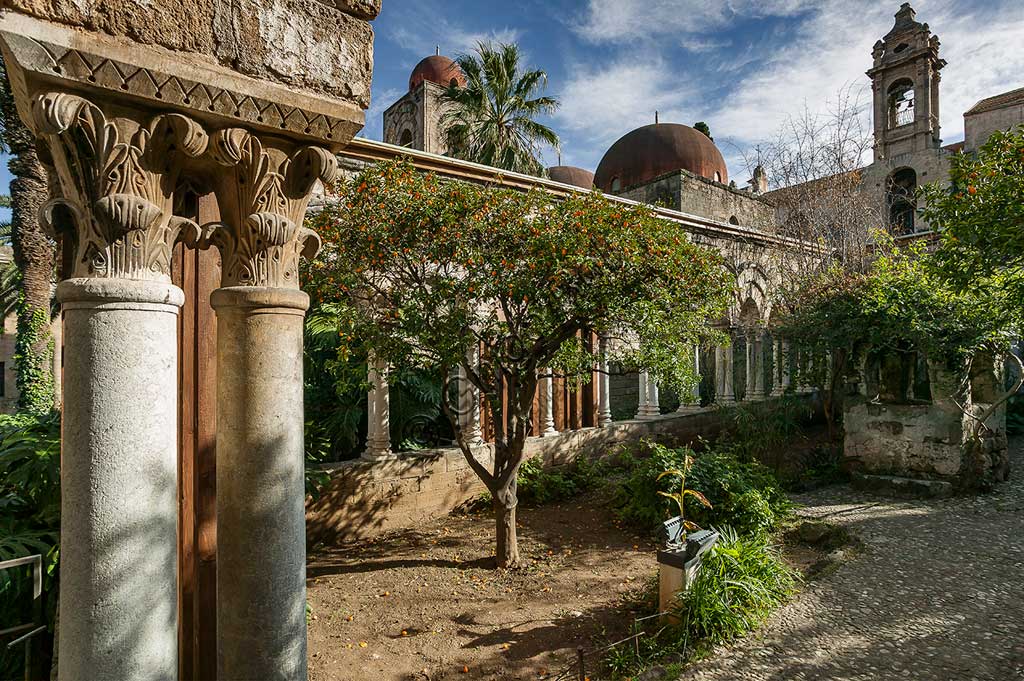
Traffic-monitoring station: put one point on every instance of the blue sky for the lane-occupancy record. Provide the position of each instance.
(740, 65)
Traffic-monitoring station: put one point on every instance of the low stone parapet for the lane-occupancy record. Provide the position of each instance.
(365, 498)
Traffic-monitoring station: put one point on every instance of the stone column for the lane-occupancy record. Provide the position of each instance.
(119, 514)
(548, 392)
(641, 393)
(653, 405)
(691, 400)
(469, 401)
(604, 395)
(750, 358)
(263, 187)
(787, 377)
(778, 367)
(378, 413)
(755, 364)
(726, 393)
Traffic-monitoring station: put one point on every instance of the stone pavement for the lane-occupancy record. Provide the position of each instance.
(937, 594)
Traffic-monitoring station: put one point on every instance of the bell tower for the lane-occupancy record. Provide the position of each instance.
(905, 82)
(415, 120)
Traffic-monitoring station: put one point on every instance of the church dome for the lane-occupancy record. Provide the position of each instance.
(577, 177)
(654, 150)
(439, 70)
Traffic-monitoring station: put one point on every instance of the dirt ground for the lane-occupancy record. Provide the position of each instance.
(426, 604)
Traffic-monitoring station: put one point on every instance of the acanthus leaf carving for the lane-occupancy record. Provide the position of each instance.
(263, 198)
(118, 178)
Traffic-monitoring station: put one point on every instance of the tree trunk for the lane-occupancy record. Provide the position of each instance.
(34, 255)
(505, 522)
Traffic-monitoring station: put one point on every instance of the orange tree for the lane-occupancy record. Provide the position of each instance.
(423, 269)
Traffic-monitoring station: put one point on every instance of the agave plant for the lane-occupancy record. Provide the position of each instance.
(680, 496)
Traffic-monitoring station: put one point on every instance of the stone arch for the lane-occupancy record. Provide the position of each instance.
(406, 138)
(752, 286)
(900, 99)
(901, 200)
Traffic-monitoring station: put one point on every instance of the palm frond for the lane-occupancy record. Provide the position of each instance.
(492, 120)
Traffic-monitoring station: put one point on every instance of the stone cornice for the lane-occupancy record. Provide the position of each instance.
(47, 56)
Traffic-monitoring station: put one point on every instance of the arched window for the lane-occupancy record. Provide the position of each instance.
(616, 184)
(718, 176)
(901, 197)
(406, 140)
(734, 220)
(454, 82)
(901, 103)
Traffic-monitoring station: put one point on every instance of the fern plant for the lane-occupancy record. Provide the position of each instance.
(29, 520)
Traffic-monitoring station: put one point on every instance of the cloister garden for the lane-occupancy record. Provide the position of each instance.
(344, 410)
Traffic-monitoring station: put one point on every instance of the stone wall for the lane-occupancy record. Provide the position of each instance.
(978, 127)
(926, 440)
(322, 47)
(624, 393)
(684, 191)
(364, 498)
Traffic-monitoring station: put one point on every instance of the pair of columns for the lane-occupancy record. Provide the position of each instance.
(604, 403)
(119, 172)
(649, 406)
(649, 403)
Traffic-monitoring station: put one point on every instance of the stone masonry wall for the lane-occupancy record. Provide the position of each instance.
(980, 126)
(689, 193)
(322, 47)
(365, 499)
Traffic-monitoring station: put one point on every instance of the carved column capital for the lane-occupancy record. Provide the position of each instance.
(117, 174)
(263, 189)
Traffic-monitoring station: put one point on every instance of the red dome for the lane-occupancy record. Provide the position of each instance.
(654, 150)
(439, 70)
(577, 177)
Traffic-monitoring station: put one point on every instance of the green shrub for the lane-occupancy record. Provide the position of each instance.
(29, 521)
(635, 498)
(539, 485)
(744, 494)
(763, 431)
(741, 580)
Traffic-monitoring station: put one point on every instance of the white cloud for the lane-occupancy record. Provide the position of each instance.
(628, 20)
(600, 105)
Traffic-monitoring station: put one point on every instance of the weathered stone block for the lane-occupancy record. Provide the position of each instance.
(323, 48)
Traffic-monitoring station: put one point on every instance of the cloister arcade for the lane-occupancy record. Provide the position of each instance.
(753, 367)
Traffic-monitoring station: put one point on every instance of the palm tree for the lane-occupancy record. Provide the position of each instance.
(10, 279)
(492, 120)
(34, 254)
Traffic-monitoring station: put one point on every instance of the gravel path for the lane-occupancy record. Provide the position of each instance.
(937, 594)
